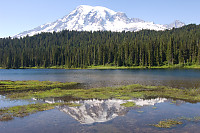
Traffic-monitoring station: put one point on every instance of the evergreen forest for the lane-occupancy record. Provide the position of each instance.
(74, 49)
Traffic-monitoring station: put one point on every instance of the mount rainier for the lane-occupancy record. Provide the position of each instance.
(88, 18)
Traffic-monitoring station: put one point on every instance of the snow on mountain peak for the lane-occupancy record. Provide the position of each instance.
(95, 18)
(175, 24)
(86, 9)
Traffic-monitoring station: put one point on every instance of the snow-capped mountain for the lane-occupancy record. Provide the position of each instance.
(175, 24)
(89, 18)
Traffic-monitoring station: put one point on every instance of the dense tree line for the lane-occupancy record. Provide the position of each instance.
(73, 49)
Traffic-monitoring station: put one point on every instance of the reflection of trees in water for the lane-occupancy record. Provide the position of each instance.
(171, 83)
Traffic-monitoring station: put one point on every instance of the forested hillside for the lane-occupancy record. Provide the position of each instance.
(73, 49)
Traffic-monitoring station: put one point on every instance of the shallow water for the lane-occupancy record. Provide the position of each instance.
(105, 115)
(4, 102)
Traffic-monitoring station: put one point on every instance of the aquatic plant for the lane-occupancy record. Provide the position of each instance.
(128, 104)
(167, 123)
(154, 107)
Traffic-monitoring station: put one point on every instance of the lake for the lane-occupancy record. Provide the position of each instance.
(105, 115)
(179, 78)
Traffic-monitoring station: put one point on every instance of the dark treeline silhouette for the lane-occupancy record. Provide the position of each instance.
(73, 49)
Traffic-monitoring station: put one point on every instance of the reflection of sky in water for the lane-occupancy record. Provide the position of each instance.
(102, 78)
(8, 103)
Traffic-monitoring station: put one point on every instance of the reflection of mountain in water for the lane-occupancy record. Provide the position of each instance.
(92, 111)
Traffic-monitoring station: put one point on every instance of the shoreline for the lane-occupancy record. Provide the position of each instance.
(112, 67)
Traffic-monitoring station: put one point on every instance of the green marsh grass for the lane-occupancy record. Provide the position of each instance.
(13, 86)
(123, 92)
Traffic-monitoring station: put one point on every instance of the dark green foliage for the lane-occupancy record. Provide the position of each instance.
(73, 49)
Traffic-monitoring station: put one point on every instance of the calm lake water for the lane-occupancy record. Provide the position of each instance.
(103, 78)
(105, 115)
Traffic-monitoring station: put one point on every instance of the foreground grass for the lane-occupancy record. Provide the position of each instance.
(10, 86)
(7, 114)
(124, 92)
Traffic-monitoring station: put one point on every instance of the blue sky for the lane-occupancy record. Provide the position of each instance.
(20, 15)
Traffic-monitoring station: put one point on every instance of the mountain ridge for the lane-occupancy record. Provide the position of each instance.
(89, 18)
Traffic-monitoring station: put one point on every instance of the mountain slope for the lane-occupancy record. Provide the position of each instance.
(88, 18)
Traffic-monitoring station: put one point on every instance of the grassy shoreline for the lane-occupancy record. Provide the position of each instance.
(117, 67)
